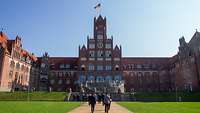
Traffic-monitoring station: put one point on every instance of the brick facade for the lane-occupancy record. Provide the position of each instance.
(100, 67)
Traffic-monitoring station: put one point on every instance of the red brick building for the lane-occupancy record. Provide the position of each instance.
(15, 64)
(101, 67)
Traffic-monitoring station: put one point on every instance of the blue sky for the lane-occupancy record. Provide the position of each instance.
(143, 27)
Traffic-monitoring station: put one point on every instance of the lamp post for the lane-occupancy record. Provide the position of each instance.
(28, 98)
(176, 92)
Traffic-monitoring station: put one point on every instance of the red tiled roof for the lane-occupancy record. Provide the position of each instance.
(3, 37)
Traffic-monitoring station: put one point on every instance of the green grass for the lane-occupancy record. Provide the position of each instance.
(162, 107)
(36, 107)
(34, 96)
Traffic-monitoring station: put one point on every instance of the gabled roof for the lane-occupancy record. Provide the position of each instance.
(83, 47)
(116, 47)
(195, 37)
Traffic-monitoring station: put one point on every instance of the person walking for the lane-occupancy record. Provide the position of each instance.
(107, 102)
(92, 102)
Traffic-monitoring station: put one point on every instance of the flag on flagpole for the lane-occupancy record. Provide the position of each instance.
(98, 6)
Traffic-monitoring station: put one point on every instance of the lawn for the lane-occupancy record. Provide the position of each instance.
(36, 107)
(162, 107)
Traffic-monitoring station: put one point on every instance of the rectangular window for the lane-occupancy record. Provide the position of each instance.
(108, 67)
(108, 46)
(91, 46)
(10, 74)
(64, 66)
(83, 59)
(91, 67)
(116, 59)
(99, 67)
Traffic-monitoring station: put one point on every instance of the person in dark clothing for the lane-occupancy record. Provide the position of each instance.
(92, 102)
(102, 98)
(107, 102)
(99, 98)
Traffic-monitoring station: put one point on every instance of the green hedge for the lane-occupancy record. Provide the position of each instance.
(166, 96)
(34, 96)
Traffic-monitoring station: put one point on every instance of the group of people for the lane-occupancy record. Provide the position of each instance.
(105, 99)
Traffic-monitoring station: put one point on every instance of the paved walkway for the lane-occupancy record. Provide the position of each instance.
(115, 108)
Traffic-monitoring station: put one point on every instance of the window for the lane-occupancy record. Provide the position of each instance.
(99, 67)
(100, 45)
(83, 59)
(118, 78)
(109, 67)
(82, 79)
(100, 59)
(91, 59)
(91, 67)
(91, 53)
(60, 82)
(52, 81)
(10, 74)
(67, 81)
(108, 53)
(100, 53)
(99, 36)
(99, 79)
(108, 59)
(116, 59)
(91, 46)
(108, 46)
(17, 66)
(64, 66)
(12, 64)
(90, 78)
(108, 78)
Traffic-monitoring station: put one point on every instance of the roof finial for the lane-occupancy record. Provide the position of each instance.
(196, 30)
